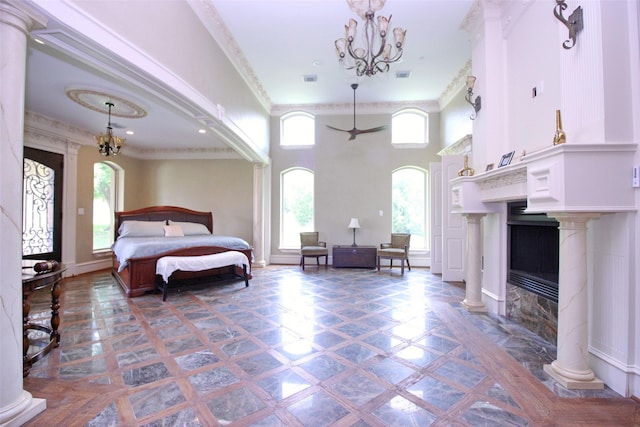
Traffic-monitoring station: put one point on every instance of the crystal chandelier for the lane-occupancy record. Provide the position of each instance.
(377, 54)
(107, 143)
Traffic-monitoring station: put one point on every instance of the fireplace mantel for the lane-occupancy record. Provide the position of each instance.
(562, 178)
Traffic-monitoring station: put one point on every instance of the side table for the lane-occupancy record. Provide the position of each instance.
(31, 282)
(354, 256)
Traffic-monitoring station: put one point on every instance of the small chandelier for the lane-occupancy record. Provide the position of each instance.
(107, 143)
(378, 54)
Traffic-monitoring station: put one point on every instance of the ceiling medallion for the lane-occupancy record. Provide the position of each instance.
(96, 100)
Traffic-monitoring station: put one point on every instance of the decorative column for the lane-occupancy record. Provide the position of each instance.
(261, 217)
(17, 406)
(473, 271)
(571, 367)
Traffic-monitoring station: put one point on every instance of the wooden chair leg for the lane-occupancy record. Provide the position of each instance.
(302, 262)
(378, 263)
(408, 265)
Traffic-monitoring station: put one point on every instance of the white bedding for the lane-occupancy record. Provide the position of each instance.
(126, 248)
(168, 264)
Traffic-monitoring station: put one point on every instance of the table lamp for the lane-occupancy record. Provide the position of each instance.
(354, 224)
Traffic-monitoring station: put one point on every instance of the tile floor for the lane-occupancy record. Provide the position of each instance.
(323, 347)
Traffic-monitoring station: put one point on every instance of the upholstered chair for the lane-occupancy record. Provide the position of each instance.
(398, 249)
(311, 247)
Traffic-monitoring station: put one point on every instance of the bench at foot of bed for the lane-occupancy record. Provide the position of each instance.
(168, 265)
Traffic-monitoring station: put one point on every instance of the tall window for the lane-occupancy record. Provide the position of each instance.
(106, 200)
(297, 128)
(409, 205)
(410, 126)
(296, 205)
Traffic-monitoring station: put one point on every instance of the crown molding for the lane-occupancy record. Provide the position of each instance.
(212, 21)
(364, 108)
(458, 82)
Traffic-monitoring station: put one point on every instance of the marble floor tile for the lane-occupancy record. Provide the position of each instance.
(323, 347)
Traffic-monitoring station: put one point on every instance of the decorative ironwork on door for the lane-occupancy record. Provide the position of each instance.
(37, 227)
(41, 202)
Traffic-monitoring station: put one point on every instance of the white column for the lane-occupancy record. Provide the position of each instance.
(261, 216)
(16, 405)
(571, 367)
(473, 271)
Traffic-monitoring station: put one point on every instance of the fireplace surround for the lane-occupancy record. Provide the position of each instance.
(559, 181)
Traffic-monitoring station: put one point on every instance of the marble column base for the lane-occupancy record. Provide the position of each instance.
(27, 409)
(573, 384)
(474, 307)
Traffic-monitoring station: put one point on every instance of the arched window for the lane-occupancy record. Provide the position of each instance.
(297, 128)
(107, 198)
(410, 126)
(409, 205)
(296, 205)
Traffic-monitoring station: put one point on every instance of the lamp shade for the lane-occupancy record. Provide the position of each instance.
(354, 223)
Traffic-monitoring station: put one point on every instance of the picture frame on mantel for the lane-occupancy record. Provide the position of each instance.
(506, 159)
(489, 167)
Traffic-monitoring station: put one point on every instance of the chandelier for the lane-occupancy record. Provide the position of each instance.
(377, 53)
(107, 143)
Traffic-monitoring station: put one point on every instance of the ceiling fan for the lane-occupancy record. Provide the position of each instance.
(355, 131)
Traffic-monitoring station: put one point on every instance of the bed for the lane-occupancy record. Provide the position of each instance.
(144, 235)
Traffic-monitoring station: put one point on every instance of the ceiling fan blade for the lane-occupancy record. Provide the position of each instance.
(341, 130)
(376, 129)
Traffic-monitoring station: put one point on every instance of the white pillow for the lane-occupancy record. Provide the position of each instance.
(191, 228)
(141, 229)
(173, 231)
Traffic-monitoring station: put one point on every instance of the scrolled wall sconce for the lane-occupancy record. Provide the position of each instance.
(476, 104)
(574, 23)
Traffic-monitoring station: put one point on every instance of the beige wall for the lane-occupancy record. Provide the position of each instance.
(352, 178)
(224, 187)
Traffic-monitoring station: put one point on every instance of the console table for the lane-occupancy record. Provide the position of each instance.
(354, 256)
(31, 282)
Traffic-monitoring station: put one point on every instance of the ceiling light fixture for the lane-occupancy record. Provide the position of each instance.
(107, 143)
(377, 55)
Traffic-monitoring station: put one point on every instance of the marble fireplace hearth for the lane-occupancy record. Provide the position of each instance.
(534, 312)
(552, 181)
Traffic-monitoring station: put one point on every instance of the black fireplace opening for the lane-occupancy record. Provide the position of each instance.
(533, 249)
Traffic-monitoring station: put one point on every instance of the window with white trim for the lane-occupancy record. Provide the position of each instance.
(107, 198)
(296, 205)
(409, 205)
(410, 126)
(297, 128)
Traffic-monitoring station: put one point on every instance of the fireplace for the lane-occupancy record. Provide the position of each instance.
(533, 248)
(533, 266)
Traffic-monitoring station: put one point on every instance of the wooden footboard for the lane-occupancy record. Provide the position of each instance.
(139, 276)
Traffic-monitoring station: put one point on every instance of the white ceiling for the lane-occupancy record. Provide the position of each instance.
(282, 40)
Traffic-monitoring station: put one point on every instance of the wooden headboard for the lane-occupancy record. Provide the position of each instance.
(163, 213)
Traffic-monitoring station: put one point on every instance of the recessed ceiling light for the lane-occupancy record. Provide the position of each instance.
(129, 132)
(317, 63)
(403, 74)
(202, 131)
